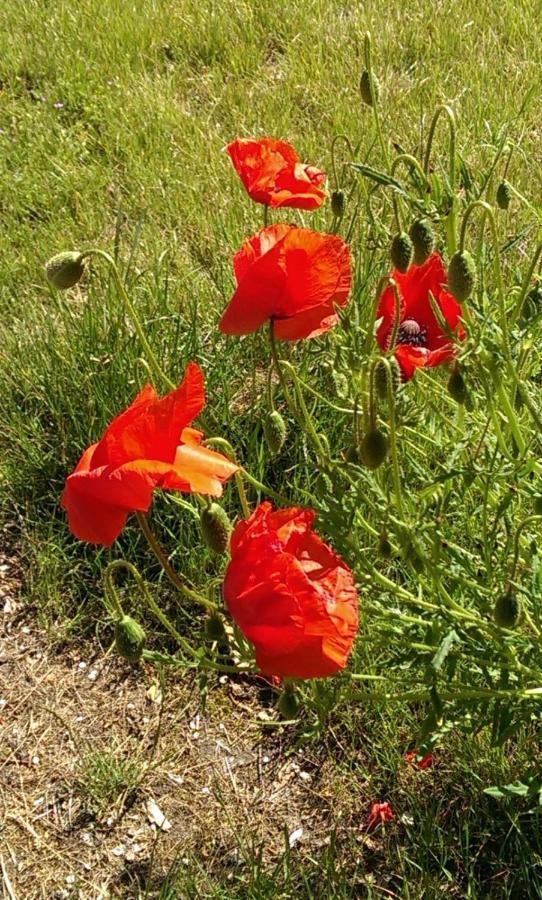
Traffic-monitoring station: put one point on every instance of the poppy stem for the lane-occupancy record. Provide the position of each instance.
(452, 215)
(374, 104)
(396, 470)
(130, 310)
(230, 453)
(339, 137)
(413, 163)
(397, 317)
(161, 556)
(265, 215)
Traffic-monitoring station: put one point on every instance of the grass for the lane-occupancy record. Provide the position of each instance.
(112, 129)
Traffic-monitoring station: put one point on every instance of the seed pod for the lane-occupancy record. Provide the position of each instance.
(288, 704)
(381, 377)
(532, 306)
(423, 239)
(385, 549)
(129, 638)
(65, 269)
(457, 388)
(504, 195)
(373, 449)
(507, 610)
(274, 431)
(214, 628)
(461, 275)
(215, 528)
(338, 204)
(402, 251)
(368, 95)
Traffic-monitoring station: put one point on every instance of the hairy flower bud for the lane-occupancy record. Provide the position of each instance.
(274, 431)
(402, 251)
(507, 610)
(65, 269)
(214, 628)
(461, 275)
(215, 528)
(338, 204)
(423, 240)
(504, 195)
(369, 94)
(457, 388)
(129, 638)
(374, 448)
(288, 704)
(381, 375)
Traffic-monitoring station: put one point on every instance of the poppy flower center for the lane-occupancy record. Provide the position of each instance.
(410, 332)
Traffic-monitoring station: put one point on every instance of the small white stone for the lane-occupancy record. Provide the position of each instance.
(294, 837)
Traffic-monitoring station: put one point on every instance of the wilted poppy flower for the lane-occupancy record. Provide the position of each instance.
(291, 275)
(290, 594)
(147, 446)
(420, 339)
(424, 763)
(380, 813)
(272, 174)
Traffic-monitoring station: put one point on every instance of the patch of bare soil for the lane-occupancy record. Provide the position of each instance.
(107, 781)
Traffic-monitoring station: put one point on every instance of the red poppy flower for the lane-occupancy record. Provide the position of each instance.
(290, 594)
(426, 762)
(420, 339)
(380, 813)
(147, 446)
(291, 275)
(272, 174)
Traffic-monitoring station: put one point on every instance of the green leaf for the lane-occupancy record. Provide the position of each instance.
(444, 649)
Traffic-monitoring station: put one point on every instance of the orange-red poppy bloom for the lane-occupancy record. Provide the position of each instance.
(426, 762)
(380, 813)
(147, 446)
(291, 275)
(290, 594)
(273, 174)
(420, 339)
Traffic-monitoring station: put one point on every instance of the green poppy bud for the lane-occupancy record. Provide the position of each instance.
(385, 549)
(288, 704)
(381, 377)
(214, 628)
(423, 240)
(457, 388)
(461, 275)
(65, 269)
(129, 638)
(402, 251)
(507, 610)
(215, 528)
(368, 95)
(338, 204)
(274, 431)
(374, 449)
(504, 195)
(532, 306)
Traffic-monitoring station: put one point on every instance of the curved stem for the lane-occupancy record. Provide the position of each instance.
(525, 285)
(374, 106)
(338, 137)
(452, 216)
(407, 158)
(526, 522)
(130, 310)
(161, 556)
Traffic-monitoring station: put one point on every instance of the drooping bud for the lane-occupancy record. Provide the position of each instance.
(461, 275)
(507, 610)
(368, 95)
(215, 528)
(338, 204)
(214, 628)
(423, 240)
(274, 431)
(504, 194)
(129, 638)
(381, 377)
(402, 251)
(385, 548)
(373, 448)
(288, 703)
(65, 269)
(457, 388)
(532, 306)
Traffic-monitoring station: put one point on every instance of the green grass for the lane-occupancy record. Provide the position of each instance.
(113, 122)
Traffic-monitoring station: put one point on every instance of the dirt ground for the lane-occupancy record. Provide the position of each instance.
(106, 781)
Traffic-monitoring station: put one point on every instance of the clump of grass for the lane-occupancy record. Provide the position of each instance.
(107, 779)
